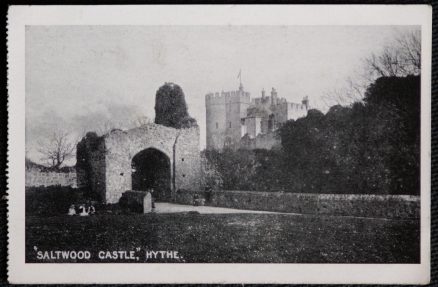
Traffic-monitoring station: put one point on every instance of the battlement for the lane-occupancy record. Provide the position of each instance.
(293, 106)
(227, 97)
(230, 115)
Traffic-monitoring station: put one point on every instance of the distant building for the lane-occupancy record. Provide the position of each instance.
(225, 112)
(236, 121)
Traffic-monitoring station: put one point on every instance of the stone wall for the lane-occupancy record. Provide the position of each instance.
(36, 177)
(379, 206)
(118, 162)
(122, 146)
(187, 160)
(111, 161)
(90, 165)
(262, 141)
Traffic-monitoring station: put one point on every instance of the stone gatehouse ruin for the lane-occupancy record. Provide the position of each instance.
(153, 155)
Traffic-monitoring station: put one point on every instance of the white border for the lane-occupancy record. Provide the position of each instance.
(19, 16)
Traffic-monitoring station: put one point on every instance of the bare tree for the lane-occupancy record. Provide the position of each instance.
(352, 91)
(57, 149)
(400, 58)
(410, 47)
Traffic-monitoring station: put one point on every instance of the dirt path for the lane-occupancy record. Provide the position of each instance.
(164, 207)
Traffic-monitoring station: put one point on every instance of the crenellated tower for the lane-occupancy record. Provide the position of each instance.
(235, 120)
(224, 113)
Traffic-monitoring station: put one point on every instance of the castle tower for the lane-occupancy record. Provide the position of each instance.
(274, 97)
(305, 102)
(215, 116)
(224, 113)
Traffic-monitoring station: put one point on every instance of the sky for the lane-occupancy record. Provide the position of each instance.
(79, 78)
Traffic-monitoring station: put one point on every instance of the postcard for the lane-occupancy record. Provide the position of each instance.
(219, 144)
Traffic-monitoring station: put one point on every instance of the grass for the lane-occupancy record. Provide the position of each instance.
(226, 238)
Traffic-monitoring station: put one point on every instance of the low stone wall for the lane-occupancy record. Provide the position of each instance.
(379, 206)
(40, 178)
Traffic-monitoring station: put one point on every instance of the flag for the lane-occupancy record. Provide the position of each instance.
(240, 74)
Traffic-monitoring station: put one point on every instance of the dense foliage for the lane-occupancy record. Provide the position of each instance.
(371, 147)
(171, 107)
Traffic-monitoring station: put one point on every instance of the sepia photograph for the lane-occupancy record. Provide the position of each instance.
(233, 143)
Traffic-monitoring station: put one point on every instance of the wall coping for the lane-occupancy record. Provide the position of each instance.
(414, 198)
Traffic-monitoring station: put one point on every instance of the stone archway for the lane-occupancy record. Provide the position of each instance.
(151, 168)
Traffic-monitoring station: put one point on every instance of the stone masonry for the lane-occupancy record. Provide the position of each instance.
(231, 116)
(109, 171)
(36, 177)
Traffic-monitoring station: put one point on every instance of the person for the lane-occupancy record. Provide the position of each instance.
(72, 210)
(91, 210)
(195, 200)
(152, 198)
(84, 211)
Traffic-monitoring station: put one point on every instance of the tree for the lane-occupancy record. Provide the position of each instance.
(400, 58)
(353, 91)
(171, 107)
(371, 147)
(57, 149)
(394, 113)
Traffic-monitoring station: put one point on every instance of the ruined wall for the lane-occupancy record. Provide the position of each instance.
(105, 163)
(90, 164)
(122, 146)
(187, 160)
(98, 166)
(179, 145)
(35, 177)
(378, 206)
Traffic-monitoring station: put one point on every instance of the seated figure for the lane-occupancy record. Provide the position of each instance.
(84, 211)
(72, 210)
(91, 210)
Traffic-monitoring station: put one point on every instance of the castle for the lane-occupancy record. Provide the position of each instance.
(236, 121)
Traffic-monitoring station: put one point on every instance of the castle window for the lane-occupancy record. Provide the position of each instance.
(217, 125)
(230, 125)
(182, 159)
